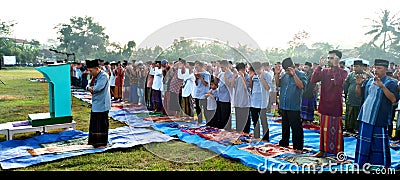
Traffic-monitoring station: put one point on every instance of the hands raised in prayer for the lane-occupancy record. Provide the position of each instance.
(321, 60)
(291, 71)
(378, 82)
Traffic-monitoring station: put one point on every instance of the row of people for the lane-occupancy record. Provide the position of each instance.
(180, 88)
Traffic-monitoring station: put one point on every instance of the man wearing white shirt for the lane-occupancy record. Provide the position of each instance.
(157, 86)
(267, 68)
(260, 83)
(185, 72)
(224, 79)
(202, 84)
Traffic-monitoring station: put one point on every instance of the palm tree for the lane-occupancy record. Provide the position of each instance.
(384, 26)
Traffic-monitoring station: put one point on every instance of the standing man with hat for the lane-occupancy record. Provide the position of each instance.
(331, 103)
(353, 102)
(308, 99)
(378, 94)
(291, 84)
(99, 87)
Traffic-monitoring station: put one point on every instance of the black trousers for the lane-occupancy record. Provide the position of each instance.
(197, 106)
(292, 120)
(224, 115)
(257, 115)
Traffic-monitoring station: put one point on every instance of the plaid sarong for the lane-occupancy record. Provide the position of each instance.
(372, 146)
(351, 122)
(307, 108)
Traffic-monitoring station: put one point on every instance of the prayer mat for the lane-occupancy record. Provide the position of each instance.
(63, 149)
(221, 136)
(199, 130)
(395, 145)
(134, 111)
(150, 114)
(80, 93)
(230, 138)
(76, 141)
(161, 119)
(116, 108)
(312, 161)
(86, 96)
(142, 115)
(167, 119)
(276, 119)
(349, 134)
(134, 107)
(311, 126)
(268, 150)
(78, 90)
(77, 144)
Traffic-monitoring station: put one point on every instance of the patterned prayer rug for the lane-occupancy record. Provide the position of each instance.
(218, 135)
(311, 126)
(277, 119)
(395, 145)
(160, 119)
(312, 161)
(268, 150)
(231, 137)
(49, 150)
(77, 144)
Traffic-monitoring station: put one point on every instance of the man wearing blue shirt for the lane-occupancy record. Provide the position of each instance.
(291, 84)
(202, 86)
(378, 94)
(99, 87)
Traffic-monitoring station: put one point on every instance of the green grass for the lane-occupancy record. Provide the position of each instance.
(20, 97)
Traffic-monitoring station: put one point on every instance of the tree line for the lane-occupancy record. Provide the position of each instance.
(87, 40)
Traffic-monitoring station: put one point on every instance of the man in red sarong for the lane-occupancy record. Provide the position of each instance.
(330, 105)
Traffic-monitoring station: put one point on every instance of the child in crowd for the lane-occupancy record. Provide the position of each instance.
(212, 97)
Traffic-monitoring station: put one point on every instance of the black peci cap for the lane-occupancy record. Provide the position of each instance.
(358, 62)
(381, 62)
(287, 63)
(92, 63)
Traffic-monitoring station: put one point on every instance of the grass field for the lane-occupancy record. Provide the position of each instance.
(20, 97)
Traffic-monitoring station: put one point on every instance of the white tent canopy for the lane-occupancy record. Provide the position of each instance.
(350, 61)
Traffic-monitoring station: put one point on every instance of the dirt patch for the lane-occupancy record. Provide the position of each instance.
(10, 97)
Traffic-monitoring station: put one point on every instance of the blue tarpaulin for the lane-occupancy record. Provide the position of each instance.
(311, 140)
(14, 153)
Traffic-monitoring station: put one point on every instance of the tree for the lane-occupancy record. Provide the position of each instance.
(5, 43)
(323, 46)
(131, 44)
(298, 40)
(127, 51)
(384, 28)
(6, 28)
(84, 37)
(370, 52)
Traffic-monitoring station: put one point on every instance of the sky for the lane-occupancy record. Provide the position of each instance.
(270, 23)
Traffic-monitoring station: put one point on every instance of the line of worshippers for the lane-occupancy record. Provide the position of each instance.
(209, 90)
